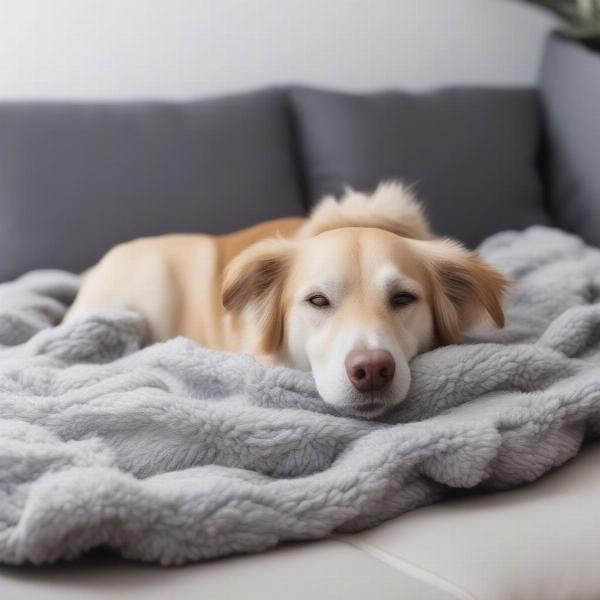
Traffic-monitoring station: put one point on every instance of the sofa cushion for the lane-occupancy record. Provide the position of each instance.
(324, 570)
(539, 542)
(472, 153)
(76, 179)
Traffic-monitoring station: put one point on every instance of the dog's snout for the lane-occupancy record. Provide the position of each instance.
(370, 370)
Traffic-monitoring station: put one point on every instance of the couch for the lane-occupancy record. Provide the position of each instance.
(77, 178)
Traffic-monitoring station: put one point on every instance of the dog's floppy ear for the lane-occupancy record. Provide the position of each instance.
(254, 280)
(466, 290)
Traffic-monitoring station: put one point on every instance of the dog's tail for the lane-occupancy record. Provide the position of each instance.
(392, 206)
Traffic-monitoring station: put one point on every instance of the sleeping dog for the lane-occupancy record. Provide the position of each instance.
(351, 293)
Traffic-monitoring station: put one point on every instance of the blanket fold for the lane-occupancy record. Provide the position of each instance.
(173, 452)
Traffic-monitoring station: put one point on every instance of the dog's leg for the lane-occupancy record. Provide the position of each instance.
(129, 279)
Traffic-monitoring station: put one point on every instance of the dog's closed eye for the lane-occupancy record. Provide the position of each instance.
(318, 300)
(400, 299)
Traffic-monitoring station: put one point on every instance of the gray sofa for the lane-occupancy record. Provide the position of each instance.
(77, 178)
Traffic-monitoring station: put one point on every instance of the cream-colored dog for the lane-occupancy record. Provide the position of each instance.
(352, 293)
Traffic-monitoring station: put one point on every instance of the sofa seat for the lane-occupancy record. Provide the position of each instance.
(538, 542)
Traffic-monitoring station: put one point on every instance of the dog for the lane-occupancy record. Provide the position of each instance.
(352, 293)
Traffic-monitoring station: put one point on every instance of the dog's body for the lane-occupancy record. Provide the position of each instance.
(175, 282)
(353, 292)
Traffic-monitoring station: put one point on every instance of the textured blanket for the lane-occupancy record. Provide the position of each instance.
(174, 453)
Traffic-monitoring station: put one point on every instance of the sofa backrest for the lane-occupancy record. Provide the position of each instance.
(75, 179)
(471, 153)
(78, 178)
(570, 91)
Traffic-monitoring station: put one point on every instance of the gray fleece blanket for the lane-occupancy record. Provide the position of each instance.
(174, 453)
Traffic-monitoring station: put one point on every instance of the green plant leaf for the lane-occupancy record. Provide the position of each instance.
(588, 9)
(581, 18)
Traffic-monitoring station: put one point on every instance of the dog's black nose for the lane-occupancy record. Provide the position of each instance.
(370, 370)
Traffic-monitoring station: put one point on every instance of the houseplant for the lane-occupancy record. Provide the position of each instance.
(580, 18)
(570, 100)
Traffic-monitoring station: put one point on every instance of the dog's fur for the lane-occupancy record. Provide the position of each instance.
(253, 291)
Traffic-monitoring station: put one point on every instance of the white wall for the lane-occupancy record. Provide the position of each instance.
(114, 49)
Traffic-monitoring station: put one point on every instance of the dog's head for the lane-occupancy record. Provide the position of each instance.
(356, 304)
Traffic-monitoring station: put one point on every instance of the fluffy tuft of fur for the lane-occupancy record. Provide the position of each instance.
(392, 206)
